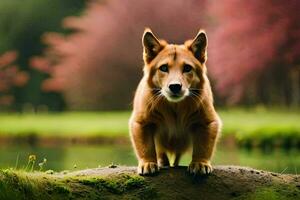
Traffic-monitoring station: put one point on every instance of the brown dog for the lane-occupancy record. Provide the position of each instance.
(173, 106)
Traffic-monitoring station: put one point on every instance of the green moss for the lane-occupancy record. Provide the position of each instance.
(277, 192)
(89, 182)
(134, 182)
(61, 189)
(16, 185)
(117, 184)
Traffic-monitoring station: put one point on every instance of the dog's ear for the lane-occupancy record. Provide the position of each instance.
(199, 46)
(151, 44)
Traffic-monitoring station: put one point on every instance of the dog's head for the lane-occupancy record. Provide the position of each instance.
(175, 71)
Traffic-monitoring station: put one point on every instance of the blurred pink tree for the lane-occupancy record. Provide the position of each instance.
(253, 55)
(255, 50)
(10, 77)
(98, 66)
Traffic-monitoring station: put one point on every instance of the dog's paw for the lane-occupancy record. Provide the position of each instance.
(200, 168)
(147, 168)
(163, 164)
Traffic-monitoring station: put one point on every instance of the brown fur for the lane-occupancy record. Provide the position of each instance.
(160, 127)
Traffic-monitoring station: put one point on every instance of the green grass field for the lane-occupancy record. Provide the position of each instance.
(241, 123)
(65, 124)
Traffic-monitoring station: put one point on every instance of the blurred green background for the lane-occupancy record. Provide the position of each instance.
(68, 71)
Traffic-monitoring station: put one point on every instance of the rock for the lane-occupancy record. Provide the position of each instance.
(225, 182)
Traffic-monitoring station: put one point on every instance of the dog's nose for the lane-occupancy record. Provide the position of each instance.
(175, 88)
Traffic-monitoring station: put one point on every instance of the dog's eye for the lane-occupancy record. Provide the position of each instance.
(164, 68)
(187, 68)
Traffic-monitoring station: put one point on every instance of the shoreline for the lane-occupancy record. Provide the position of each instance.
(123, 139)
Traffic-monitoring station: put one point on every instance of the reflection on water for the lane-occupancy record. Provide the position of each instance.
(66, 157)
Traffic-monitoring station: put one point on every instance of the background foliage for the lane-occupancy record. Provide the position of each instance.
(22, 24)
(255, 51)
(93, 60)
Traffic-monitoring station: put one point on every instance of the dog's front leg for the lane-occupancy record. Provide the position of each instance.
(204, 141)
(142, 137)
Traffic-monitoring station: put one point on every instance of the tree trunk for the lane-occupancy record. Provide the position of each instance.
(226, 182)
(295, 86)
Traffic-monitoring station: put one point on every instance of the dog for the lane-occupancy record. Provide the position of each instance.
(173, 107)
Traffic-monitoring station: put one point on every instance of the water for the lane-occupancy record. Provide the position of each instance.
(76, 157)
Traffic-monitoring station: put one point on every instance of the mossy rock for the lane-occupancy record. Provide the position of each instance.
(226, 182)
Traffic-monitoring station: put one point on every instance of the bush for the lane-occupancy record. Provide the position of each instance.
(21, 25)
(10, 78)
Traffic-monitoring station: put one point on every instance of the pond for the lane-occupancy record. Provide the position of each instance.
(73, 157)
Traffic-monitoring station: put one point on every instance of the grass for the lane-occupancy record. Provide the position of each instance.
(65, 124)
(241, 123)
(264, 126)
